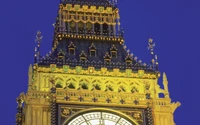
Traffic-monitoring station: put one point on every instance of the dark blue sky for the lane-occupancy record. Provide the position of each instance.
(173, 24)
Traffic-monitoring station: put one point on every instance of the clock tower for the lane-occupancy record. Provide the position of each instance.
(90, 77)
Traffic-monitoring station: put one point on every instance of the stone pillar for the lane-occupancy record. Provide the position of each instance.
(84, 23)
(101, 25)
(60, 18)
(76, 24)
(93, 23)
(45, 117)
(63, 22)
(68, 26)
(34, 117)
(28, 115)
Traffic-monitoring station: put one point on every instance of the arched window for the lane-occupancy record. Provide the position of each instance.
(105, 29)
(113, 51)
(97, 28)
(72, 27)
(81, 27)
(107, 58)
(61, 54)
(83, 56)
(88, 27)
(92, 50)
(129, 59)
(71, 48)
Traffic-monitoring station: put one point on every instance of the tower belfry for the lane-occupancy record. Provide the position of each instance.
(90, 77)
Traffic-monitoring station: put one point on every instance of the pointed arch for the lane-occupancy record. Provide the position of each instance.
(71, 83)
(84, 84)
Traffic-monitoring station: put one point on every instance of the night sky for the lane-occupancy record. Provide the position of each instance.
(173, 24)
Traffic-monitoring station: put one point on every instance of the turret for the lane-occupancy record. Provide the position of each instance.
(165, 83)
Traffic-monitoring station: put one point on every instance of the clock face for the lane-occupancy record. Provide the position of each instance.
(99, 118)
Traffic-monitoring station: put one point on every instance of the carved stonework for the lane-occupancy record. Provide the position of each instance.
(66, 112)
(102, 72)
(136, 115)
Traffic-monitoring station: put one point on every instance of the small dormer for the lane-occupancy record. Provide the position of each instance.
(71, 49)
(61, 54)
(113, 51)
(107, 58)
(129, 59)
(92, 50)
(83, 56)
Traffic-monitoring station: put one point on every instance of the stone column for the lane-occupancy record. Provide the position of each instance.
(34, 117)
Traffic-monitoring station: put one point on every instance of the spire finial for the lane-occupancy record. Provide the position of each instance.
(38, 37)
(151, 46)
(165, 81)
(37, 49)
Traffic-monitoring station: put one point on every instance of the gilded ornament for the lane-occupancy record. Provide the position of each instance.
(68, 6)
(53, 67)
(140, 73)
(66, 112)
(65, 68)
(128, 72)
(101, 9)
(77, 7)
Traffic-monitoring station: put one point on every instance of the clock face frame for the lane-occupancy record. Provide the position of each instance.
(68, 115)
(99, 118)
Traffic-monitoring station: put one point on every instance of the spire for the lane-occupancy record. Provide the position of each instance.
(30, 73)
(37, 49)
(151, 46)
(165, 83)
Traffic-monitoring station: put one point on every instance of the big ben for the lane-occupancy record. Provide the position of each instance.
(90, 77)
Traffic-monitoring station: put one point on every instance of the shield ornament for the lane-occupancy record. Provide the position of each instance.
(103, 70)
(53, 67)
(92, 8)
(85, 7)
(116, 72)
(101, 9)
(78, 69)
(128, 72)
(65, 68)
(140, 73)
(69, 6)
(90, 69)
(77, 7)
(109, 10)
